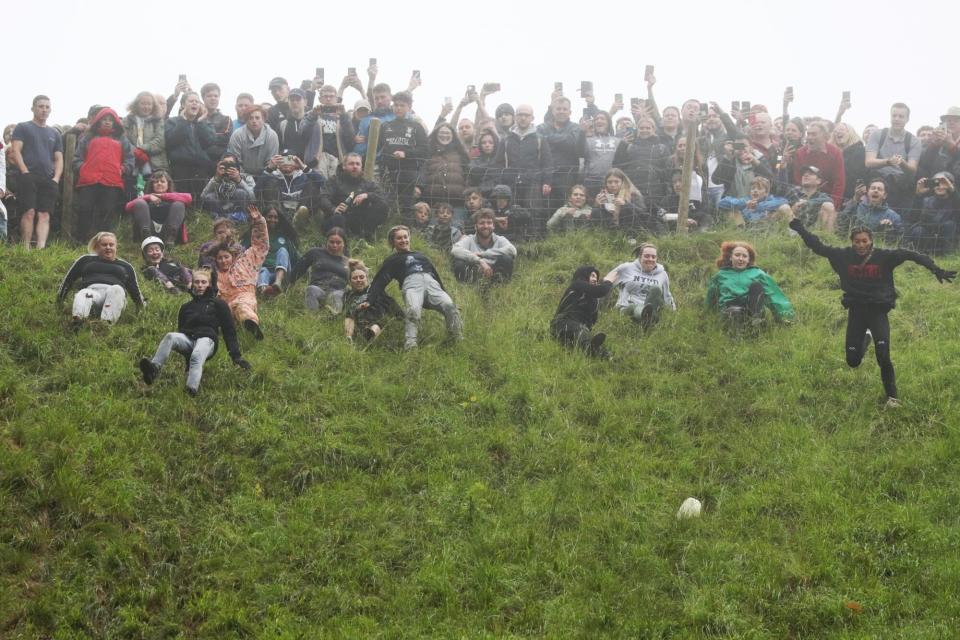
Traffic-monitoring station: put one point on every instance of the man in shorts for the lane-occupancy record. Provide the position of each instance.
(38, 154)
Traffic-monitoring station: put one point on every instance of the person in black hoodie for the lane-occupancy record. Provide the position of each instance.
(866, 278)
(403, 149)
(351, 202)
(577, 312)
(199, 323)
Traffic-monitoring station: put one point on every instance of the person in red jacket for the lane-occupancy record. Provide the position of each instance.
(104, 156)
(826, 157)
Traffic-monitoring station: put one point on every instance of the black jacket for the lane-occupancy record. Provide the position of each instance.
(649, 164)
(325, 270)
(527, 160)
(189, 143)
(205, 317)
(567, 145)
(340, 186)
(867, 281)
(581, 300)
(92, 269)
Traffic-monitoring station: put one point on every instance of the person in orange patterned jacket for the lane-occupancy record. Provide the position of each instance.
(237, 273)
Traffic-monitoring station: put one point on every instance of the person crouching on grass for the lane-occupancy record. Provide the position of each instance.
(199, 322)
(237, 273)
(419, 282)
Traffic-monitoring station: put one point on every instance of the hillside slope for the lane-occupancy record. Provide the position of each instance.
(501, 487)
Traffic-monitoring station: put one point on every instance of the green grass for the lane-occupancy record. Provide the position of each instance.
(498, 488)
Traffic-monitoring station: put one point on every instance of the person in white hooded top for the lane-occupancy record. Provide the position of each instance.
(483, 256)
(644, 286)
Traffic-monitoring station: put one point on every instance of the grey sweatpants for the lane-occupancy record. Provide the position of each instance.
(422, 290)
(314, 295)
(197, 350)
(654, 300)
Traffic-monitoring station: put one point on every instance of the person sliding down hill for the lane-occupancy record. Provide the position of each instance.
(199, 323)
(577, 312)
(866, 278)
(742, 290)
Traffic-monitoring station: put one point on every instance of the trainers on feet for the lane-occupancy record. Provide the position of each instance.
(646, 318)
(271, 291)
(892, 403)
(597, 341)
(193, 392)
(253, 328)
(149, 370)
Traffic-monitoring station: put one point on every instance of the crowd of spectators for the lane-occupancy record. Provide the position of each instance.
(622, 167)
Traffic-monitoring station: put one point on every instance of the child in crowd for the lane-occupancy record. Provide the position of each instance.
(421, 217)
(158, 266)
(759, 207)
(443, 234)
(369, 320)
(223, 231)
(199, 322)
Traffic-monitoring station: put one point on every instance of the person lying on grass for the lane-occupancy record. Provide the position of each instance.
(157, 265)
(105, 281)
(237, 273)
(368, 319)
(199, 323)
(741, 290)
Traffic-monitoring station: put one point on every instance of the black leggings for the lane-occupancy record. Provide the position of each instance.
(872, 317)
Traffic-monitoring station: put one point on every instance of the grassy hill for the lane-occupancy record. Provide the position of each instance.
(498, 488)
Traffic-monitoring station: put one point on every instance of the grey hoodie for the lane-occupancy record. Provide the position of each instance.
(635, 283)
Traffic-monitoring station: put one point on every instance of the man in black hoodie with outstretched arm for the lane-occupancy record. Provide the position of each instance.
(866, 278)
(199, 323)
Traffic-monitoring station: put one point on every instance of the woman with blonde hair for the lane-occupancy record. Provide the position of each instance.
(104, 280)
(144, 130)
(854, 156)
(620, 204)
(741, 290)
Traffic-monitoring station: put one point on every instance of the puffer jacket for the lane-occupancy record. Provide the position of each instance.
(443, 177)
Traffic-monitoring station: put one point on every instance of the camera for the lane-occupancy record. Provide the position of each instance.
(330, 108)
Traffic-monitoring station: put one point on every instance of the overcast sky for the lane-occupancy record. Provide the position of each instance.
(738, 50)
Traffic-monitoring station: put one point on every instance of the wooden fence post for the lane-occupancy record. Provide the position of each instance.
(683, 208)
(373, 141)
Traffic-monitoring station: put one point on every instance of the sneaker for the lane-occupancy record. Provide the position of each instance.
(866, 342)
(271, 291)
(646, 318)
(892, 403)
(596, 342)
(149, 370)
(410, 345)
(193, 392)
(253, 328)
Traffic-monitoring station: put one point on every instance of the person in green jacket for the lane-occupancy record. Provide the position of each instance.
(742, 290)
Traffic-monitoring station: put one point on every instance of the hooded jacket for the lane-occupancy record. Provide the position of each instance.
(103, 159)
(207, 316)
(728, 285)
(580, 301)
(635, 284)
(443, 177)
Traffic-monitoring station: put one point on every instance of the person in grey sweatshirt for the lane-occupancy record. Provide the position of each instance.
(644, 286)
(483, 256)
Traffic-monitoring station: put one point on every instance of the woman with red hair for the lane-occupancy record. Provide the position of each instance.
(742, 290)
